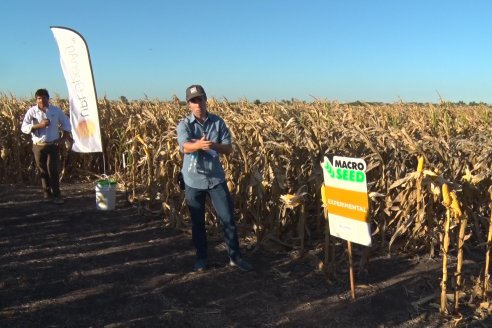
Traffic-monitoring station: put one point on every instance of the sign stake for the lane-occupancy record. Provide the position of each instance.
(351, 269)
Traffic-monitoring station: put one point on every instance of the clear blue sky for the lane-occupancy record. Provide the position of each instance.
(386, 50)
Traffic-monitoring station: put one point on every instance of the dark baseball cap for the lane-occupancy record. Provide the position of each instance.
(195, 91)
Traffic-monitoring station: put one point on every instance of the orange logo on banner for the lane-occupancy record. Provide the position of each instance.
(85, 129)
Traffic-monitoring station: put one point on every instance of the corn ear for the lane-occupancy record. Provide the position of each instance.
(455, 205)
(324, 196)
(420, 166)
(445, 195)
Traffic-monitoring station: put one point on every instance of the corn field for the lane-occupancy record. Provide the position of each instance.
(278, 147)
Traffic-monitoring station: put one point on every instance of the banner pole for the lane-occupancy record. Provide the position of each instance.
(104, 163)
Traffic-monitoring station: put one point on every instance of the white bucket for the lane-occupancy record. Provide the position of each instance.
(106, 195)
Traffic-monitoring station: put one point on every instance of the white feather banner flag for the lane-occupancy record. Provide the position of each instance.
(76, 65)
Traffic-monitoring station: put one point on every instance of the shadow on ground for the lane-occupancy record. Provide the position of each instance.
(75, 266)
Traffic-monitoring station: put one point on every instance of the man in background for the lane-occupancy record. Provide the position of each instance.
(44, 122)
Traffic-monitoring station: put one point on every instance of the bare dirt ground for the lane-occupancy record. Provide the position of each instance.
(75, 266)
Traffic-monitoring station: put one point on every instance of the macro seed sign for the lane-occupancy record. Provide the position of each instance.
(344, 194)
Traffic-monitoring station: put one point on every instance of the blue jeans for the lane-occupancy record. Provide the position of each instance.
(223, 205)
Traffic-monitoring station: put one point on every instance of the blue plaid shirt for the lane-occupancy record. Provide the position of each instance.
(202, 170)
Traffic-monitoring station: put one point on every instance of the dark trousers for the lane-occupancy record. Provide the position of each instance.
(223, 205)
(47, 157)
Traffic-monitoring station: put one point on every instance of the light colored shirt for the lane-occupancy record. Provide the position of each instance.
(50, 133)
(202, 169)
